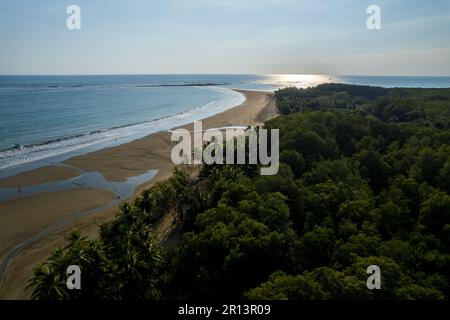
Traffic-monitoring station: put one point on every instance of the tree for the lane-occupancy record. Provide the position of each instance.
(284, 287)
(316, 247)
(435, 212)
(295, 161)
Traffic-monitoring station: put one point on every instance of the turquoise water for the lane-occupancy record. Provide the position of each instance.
(47, 116)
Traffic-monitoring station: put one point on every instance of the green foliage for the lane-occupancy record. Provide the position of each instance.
(325, 97)
(283, 287)
(49, 281)
(364, 179)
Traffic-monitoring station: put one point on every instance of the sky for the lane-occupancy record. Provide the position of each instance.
(225, 37)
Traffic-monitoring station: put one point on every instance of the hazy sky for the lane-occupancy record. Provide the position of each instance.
(225, 36)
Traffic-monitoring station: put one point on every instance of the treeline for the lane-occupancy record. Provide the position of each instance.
(326, 96)
(430, 107)
(356, 187)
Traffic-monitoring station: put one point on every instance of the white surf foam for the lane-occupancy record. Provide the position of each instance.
(103, 138)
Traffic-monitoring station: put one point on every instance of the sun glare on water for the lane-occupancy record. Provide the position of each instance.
(300, 80)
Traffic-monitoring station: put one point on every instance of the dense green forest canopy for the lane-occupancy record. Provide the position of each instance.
(364, 180)
(429, 107)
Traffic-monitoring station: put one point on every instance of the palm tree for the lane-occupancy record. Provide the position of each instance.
(48, 282)
(146, 202)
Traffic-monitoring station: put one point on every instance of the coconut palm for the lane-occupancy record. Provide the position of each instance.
(48, 282)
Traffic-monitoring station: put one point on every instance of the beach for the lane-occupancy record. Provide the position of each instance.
(27, 215)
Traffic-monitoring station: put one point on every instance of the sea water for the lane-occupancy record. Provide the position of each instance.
(43, 117)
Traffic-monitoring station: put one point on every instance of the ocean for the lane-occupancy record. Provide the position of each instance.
(44, 118)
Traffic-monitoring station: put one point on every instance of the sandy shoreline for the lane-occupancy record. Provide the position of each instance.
(39, 176)
(26, 215)
(153, 152)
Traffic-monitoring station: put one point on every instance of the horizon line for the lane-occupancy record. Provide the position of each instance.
(214, 74)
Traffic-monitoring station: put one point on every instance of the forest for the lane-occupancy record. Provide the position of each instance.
(364, 180)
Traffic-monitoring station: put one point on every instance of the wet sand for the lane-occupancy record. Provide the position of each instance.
(39, 176)
(115, 164)
(21, 218)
